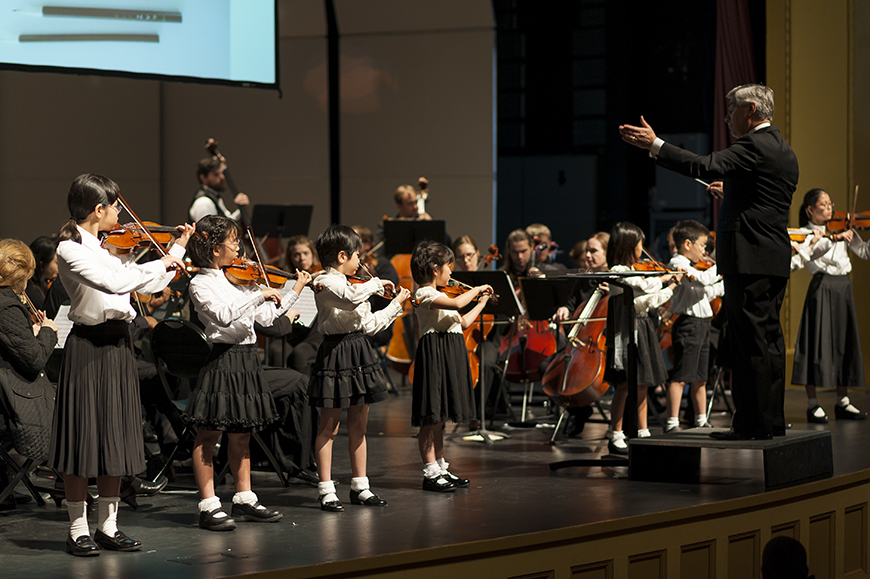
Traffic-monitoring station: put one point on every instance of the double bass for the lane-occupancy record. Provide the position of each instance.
(575, 377)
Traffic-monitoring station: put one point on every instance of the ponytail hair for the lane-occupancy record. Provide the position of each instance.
(426, 257)
(86, 192)
(810, 199)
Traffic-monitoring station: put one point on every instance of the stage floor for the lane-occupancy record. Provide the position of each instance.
(512, 492)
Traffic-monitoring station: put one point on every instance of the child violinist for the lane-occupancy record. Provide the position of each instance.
(691, 331)
(623, 251)
(97, 429)
(232, 393)
(828, 349)
(442, 377)
(347, 372)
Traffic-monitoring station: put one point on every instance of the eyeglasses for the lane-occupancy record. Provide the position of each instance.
(117, 208)
(231, 244)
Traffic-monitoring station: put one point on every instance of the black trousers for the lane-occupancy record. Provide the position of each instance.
(752, 304)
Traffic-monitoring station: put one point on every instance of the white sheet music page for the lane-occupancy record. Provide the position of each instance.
(305, 305)
(64, 326)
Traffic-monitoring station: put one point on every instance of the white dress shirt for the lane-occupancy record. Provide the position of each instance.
(691, 296)
(431, 317)
(99, 283)
(830, 257)
(343, 307)
(229, 311)
(648, 290)
(203, 206)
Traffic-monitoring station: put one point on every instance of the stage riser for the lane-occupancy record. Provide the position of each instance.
(720, 540)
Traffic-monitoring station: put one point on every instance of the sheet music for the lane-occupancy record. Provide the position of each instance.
(64, 326)
(305, 305)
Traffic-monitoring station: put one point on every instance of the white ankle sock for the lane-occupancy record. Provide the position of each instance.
(643, 433)
(210, 504)
(445, 466)
(673, 421)
(700, 420)
(844, 401)
(618, 439)
(360, 484)
(107, 507)
(812, 403)
(245, 498)
(326, 490)
(78, 519)
(432, 470)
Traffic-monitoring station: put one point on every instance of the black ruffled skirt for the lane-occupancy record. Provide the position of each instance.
(442, 380)
(97, 426)
(347, 372)
(828, 350)
(232, 393)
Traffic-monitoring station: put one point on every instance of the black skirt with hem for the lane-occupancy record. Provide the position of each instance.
(650, 364)
(347, 372)
(97, 426)
(232, 393)
(442, 388)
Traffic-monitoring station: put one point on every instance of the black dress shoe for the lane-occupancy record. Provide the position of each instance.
(843, 413)
(208, 520)
(147, 488)
(613, 449)
(816, 415)
(331, 506)
(256, 512)
(458, 481)
(439, 484)
(82, 547)
(120, 542)
(734, 435)
(372, 501)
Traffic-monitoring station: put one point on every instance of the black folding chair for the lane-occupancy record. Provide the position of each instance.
(180, 348)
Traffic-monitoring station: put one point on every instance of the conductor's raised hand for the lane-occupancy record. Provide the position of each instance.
(642, 137)
(715, 189)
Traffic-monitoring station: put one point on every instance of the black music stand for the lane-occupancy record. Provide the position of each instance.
(403, 235)
(629, 417)
(508, 306)
(543, 296)
(282, 221)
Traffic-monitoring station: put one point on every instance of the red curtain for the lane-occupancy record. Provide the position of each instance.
(735, 65)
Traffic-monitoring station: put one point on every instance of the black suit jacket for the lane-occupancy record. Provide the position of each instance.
(760, 175)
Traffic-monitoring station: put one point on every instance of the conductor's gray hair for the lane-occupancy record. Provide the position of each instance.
(757, 94)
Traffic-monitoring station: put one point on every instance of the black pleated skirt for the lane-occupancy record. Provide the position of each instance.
(828, 350)
(650, 364)
(232, 393)
(97, 426)
(347, 372)
(442, 380)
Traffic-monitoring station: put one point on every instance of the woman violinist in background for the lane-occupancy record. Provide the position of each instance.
(623, 252)
(467, 253)
(97, 429)
(45, 253)
(828, 349)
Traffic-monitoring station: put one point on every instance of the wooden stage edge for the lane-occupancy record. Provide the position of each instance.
(720, 539)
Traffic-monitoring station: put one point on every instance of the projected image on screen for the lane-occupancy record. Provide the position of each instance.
(224, 40)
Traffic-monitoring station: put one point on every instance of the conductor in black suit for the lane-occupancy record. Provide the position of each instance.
(759, 174)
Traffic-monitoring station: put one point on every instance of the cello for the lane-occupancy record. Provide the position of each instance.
(575, 377)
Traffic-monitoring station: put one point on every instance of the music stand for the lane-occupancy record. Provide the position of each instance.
(282, 221)
(507, 305)
(402, 236)
(543, 296)
(629, 417)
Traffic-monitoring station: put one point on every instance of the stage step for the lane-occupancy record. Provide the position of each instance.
(798, 457)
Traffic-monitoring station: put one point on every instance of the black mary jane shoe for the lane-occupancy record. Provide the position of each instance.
(372, 501)
(331, 506)
(733, 435)
(82, 547)
(616, 450)
(458, 481)
(816, 415)
(439, 484)
(256, 512)
(209, 520)
(841, 413)
(120, 542)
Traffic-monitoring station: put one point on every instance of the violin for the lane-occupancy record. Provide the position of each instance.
(844, 221)
(388, 293)
(36, 316)
(455, 288)
(799, 235)
(142, 230)
(127, 238)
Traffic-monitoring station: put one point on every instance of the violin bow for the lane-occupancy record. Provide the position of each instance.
(147, 233)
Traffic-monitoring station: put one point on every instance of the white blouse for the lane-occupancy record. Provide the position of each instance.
(343, 307)
(692, 297)
(99, 283)
(831, 257)
(433, 318)
(229, 311)
(648, 290)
